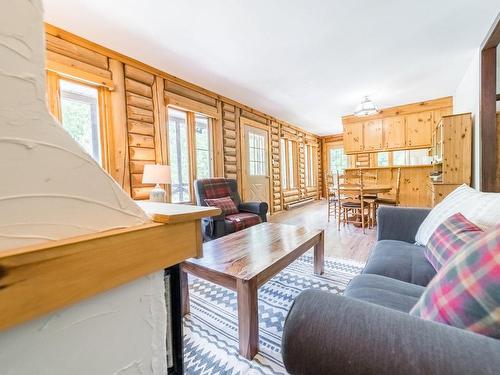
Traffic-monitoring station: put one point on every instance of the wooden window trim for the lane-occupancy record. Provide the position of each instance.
(190, 105)
(78, 75)
(295, 165)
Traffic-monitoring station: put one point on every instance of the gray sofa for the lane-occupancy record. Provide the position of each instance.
(368, 330)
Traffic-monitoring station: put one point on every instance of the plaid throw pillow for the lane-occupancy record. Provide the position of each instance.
(448, 238)
(226, 204)
(465, 293)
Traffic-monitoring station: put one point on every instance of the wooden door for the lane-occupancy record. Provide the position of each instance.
(419, 129)
(255, 162)
(353, 137)
(372, 135)
(394, 132)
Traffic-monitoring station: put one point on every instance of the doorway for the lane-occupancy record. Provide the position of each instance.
(255, 181)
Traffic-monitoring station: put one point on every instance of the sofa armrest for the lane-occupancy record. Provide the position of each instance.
(399, 223)
(330, 334)
(259, 208)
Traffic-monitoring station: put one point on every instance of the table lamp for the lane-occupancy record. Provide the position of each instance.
(156, 174)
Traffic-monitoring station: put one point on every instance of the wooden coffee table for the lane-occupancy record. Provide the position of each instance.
(245, 260)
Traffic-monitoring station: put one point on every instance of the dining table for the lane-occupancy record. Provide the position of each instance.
(372, 189)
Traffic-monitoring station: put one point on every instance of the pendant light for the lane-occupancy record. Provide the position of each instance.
(366, 108)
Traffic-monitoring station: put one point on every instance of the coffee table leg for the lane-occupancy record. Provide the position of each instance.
(319, 254)
(248, 320)
(185, 292)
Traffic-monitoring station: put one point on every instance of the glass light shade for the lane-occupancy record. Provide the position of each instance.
(366, 108)
(156, 174)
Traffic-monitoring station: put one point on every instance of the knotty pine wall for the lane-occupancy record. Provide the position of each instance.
(134, 100)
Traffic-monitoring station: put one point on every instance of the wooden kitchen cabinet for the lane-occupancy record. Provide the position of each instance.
(372, 135)
(419, 129)
(394, 132)
(353, 137)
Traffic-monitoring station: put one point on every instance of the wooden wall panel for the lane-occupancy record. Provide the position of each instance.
(142, 127)
(276, 200)
(229, 140)
(119, 155)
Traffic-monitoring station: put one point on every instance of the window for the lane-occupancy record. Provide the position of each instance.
(337, 159)
(203, 147)
(80, 115)
(284, 174)
(189, 133)
(310, 159)
(383, 159)
(411, 157)
(399, 157)
(256, 157)
(179, 155)
(288, 164)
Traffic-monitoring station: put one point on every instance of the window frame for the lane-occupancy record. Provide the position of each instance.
(291, 164)
(336, 145)
(407, 163)
(191, 140)
(311, 165)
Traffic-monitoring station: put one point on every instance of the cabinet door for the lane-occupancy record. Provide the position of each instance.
(394, 132)
(353, 137)
(419, 129)
(439, 113)
(372, 135)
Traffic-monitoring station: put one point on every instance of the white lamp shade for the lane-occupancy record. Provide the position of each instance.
(156, 174)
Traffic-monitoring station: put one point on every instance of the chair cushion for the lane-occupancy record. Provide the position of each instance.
(449, 238)
(215, 188)
(466, 292)
(226, 204)
(483, 209)
(241, 221)
(400, 260)
(384, 291)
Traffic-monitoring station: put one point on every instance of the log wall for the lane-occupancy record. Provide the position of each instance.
(136, 97)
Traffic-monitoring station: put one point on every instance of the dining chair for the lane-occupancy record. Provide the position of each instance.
(352, 206)
(370, 178)
(391, 201)
(331, 197)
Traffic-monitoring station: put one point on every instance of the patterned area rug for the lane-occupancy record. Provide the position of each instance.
(211, 329)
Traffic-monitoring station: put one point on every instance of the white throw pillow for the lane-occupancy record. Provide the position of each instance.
(483, 209)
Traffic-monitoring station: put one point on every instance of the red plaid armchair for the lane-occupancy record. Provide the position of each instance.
(235, 217)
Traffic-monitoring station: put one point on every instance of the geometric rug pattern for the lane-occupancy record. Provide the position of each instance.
(211, 328)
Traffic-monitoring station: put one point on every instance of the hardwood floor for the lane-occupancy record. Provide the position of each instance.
(348, 243)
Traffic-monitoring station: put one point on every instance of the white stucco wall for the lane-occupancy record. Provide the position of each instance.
(466, 99)
(51, 189)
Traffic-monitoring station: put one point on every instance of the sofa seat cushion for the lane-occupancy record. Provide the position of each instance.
(384, 291)
(400, 260)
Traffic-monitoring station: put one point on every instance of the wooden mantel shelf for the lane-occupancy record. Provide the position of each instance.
(39, 279)
(169, 213)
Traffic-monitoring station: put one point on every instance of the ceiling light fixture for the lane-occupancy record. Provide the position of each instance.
(366, 108)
